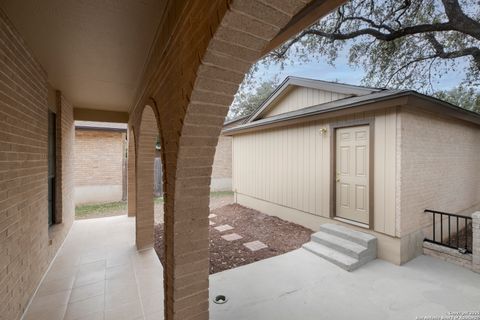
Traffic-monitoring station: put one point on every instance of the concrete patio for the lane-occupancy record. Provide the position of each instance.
(98, 274)
(300, 285)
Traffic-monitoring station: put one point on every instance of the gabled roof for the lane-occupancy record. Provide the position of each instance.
(291, 82)
(375, 100)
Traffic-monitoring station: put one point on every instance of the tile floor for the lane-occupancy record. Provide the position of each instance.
(98, 274)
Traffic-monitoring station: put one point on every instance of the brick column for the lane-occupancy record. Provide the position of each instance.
(145, 155)
(244, 31)
(191, 79)
(131, 193)
(476, 241)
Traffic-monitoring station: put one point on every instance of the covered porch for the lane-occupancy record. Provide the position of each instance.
(99, 274)
(170, 70)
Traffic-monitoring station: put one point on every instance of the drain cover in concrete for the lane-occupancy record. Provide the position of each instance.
(212, 215)
(224, 227)
(255, 245)
(232, 237)
(212, 223)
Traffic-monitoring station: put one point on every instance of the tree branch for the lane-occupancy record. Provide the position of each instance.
(370, 22)
(459, 20)
(441, 53)
(390, 36)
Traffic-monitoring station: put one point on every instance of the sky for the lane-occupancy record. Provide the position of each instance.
(340, 72)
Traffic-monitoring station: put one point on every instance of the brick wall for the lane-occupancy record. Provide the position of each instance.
(222, 165)
(24, 234)
(222, 162)
(440, 170)
(98, 157)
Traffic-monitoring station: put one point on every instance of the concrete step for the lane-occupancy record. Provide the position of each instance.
(361, 238)
(347, 247)
(335, 257)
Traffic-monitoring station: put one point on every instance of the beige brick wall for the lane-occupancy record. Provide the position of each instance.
(65, 162)
(24, 234)
(131, 179)
(222, 165)
(98, 157)
(440, 170)
(222, 162)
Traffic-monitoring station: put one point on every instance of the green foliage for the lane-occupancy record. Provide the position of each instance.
(250, 96)
(85, 210)
(96, 210)
(216, 194)
(467, 98)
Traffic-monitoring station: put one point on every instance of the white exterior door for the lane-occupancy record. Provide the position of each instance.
(352, 173)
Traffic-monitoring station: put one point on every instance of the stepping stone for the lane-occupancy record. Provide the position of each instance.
(232, 237)
(255, 245)
(212, 223)
(224, 227)
(212, 215)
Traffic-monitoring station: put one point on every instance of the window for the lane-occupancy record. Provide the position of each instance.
(51, 166)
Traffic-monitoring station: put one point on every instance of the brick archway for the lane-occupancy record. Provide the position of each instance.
(244, 31)
(147, 132)
(193, 76)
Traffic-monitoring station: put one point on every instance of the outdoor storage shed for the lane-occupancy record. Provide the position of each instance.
(370, 159)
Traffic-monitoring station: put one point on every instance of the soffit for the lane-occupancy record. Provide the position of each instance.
(93, 51)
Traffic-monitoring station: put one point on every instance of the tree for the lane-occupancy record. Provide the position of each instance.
(402, 44)
(467, 98)
(249, 97)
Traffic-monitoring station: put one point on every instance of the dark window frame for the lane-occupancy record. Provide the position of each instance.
(52, 167)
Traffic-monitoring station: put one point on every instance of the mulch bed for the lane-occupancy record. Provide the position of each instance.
(279, 235)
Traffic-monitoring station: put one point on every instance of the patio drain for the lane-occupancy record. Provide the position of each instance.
(220, 299)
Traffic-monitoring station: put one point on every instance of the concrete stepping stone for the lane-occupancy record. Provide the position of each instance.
(224, 227)
(212, 215)
(232, 237)
(255, 245)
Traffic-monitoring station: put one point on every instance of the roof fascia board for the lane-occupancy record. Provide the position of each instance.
(273, 96)
(86, 128)
(442, 108)
(331, 86)
(287, 119)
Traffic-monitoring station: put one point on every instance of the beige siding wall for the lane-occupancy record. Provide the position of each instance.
(290, 166)
(301, 97)
(440, 161)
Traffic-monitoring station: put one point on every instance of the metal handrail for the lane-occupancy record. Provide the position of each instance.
(464, 249)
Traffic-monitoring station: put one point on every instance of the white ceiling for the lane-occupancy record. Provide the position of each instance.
(93, 50)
